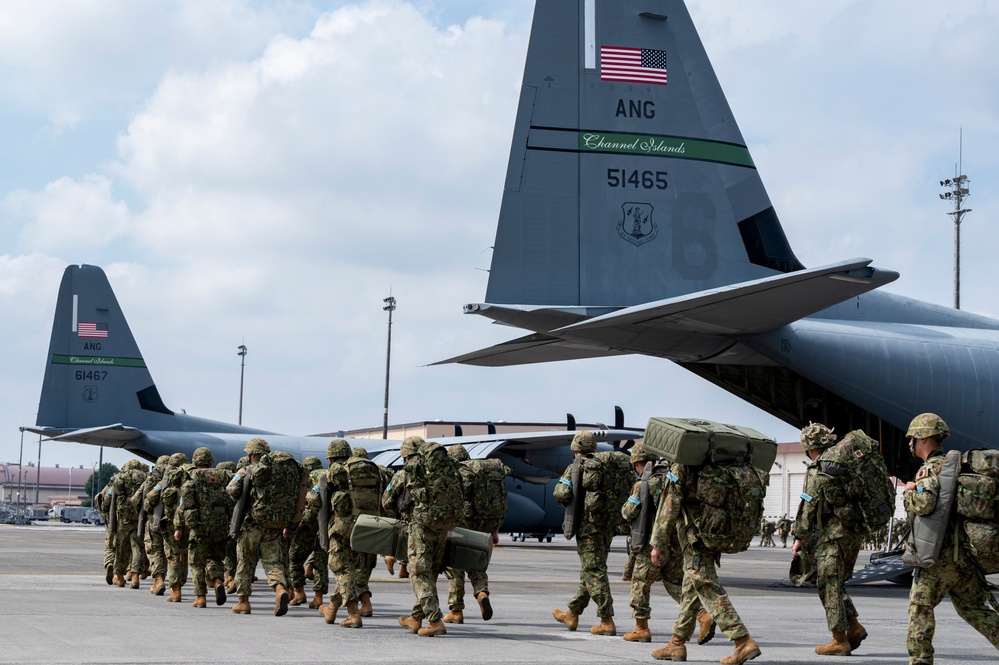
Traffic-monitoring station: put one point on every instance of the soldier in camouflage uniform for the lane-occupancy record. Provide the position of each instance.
(645, 573)
(836, 544)
(954, 573)
(154, 536)
(161, 502)
(392, 506)
(783, 528)
(305, 540)
(593, 540)
(274, 509)
(229, 563)
(207, 524)
(678, 512)
(342, 559)
(129, 554)
(474, 498)
(366, 560)
(767, 531)
(103, 501)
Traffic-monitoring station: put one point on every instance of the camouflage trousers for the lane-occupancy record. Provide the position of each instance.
(129, 553)
(701, 589)
(645, 574)
(592, 549)
(108, 547)
(206, 558)
(426, 558)
(456, 586)
(359, 581)
(835, 559)
(259, 543)
(155, 553)
(343, 564)
(968, 592)
(230, 557)
(305, 541)
(176, 556)
(365, 565)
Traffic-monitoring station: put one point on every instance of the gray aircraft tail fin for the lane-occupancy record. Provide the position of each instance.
(94, 372)
(629, 180)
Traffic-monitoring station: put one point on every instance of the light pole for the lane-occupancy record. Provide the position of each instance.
(957, 192)
(242, 364)
(389, 307)
(69, 490)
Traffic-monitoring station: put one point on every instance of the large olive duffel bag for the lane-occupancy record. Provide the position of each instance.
(693, 442)
(465, 549)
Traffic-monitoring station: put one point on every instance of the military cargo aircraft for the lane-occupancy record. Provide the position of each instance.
(634, 221)
(97, 390)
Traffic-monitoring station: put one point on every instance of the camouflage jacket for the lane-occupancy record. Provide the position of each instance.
(313, 503)
(395, 502)
(142, 495)
(594, 519)
(341, 515)
(923, 499)
(126, 483)
(657, 483)
(808, 522)
(669, 523)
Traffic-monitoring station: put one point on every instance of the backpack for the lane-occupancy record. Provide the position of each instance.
(279, 486)
(864, 497)
(126, 483)
(365, 483)
(731, 498)
(978, 503)
(486, 492)
(436, 488)
(607, 478)
(205, 506)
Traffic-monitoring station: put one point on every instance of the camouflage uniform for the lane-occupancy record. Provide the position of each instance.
(154, 536)
(593, 540)
(474, 497)
(104, 505)
(957, 576)
(230, 543)
(208, 530)
(645, 573)
(305, 542)
(768, 529)
(392, 499)
(836, 548)
(783, 528)
(342, 560)
(129, 551)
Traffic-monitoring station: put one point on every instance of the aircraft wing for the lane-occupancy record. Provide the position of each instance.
(747, 308)
(534, 348)
(111, 436)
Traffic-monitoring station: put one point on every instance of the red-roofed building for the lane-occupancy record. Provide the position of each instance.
(44, 485)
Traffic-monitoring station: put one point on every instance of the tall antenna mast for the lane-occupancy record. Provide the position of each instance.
(957, 192)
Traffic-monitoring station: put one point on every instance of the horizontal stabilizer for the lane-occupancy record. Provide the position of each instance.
(752, 307)
(111, 436)
(535, 348)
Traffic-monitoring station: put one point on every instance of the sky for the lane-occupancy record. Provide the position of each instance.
(266, 173)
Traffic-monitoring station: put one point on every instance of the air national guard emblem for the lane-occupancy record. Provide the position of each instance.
(90, 394)
(636, 224)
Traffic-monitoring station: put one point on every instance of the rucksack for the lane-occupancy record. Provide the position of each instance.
(279, 484)
(205, 506)
(365, 483)
(731, 498)
(436, 488)
(486, 491)
(125, 485)
(864, 497)
(922, 549)
(607, 479)
(978, 503)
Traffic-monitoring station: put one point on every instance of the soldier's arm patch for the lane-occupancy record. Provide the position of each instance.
(634, 500)
(672, 477)
(807, 498)
(566, 482)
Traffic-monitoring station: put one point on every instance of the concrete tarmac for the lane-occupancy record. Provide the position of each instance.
(55, 607)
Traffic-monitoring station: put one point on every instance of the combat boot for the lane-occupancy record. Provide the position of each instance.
(485, 607)
(299, 596)
(317, 601)
(219, 587)
(146, 573)
(390, 564)
(353, 619)
(329, 611)
(641, 632)
(569, 618)
(243, 606)
(231, 586)
(706, 625)
(433, 628)
(454, 616)
(135, 581)
(605, 627)
(365, 607)
(118, 580)
(310, 572)
(109, 574)
(855, 633)
(159, 585)
(174, 596)
(280, 600)
(200, 601)
(838, 647)
(403, 571)
(674, 650)
(410, 623)
(745, 649)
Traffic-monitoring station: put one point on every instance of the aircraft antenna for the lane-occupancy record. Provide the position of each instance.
(957, 192)
(389, 307)
(242, 365)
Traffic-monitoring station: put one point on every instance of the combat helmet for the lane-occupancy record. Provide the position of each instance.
(458, 453)
(639, 453)
(816, 436)
(359, 451)
(132, 465)
(163, 461)
(584, 442)
(410, 445)
(312, 463)
(257, 446)
(178, 459)
(203, 457)
(227, 465)
(928, 425)
(338, 450)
